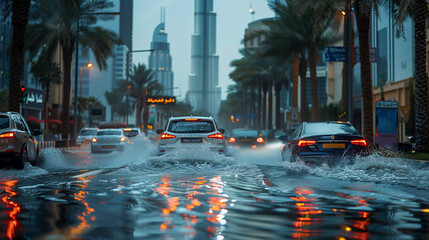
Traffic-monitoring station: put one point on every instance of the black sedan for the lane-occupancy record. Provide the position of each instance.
(245, 138)
(318, 142)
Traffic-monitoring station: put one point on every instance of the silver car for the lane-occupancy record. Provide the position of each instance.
(191, 133)
(17, 143)
(108, 140)
(85, 135)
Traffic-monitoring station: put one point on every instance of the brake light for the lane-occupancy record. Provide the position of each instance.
(167, 136)
(359, 142)
(127, 129)
(7, 135)
(231, 140)
(191, 119)
(216, 136)
(304, 143)
(94, 140)
(122, 139)
(260, 140)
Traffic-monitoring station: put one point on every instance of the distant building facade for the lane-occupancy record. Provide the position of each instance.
(160, 59)
(204, 91)
(5, 43)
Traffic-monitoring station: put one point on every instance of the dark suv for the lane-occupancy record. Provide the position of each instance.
(17, 143)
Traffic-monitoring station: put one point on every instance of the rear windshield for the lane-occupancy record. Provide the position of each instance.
(105, 133)
(4, 122)
(87, 132)
(313, 129)
(182, 126)
(131, 133)
(245, 133)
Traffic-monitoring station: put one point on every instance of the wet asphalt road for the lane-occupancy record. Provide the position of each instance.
(251, 195)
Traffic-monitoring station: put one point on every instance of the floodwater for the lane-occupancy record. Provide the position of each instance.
(250, 195)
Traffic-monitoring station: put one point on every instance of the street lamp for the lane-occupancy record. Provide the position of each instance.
(77, 62)
(350, 60)
(88, 65)
(128, 77)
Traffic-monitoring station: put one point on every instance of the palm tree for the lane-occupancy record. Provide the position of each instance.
(4, 95)
(54, 24)
(47, 72)
(417, 10)
(143, 84)
(20, 12)
(114, 99)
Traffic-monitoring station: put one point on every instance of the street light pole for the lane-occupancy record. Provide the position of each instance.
(128, 78)
(77, 63)
(350, 62)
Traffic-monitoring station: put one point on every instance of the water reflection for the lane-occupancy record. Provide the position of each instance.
(13, 207)
(86, 217)
(308, 213)
(193, 197)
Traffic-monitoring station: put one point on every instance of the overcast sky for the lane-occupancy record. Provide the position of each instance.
(232, 19)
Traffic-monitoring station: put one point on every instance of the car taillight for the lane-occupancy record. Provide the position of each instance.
(122, 139)
(7, 135)
(359, 142)
(304, 143)
(231, 140)
(167, 136)
(94, 140)
(260, 140)
(216, 136)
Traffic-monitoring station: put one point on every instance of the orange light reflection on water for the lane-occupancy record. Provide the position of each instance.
(85, 217)
(8, 187)
(306, 209)
(193, 190)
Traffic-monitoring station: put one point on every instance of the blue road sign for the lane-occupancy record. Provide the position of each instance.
(335, 54)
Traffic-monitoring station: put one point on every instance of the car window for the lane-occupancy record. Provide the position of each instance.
(105, 133)
(183, 126)
(87, 132)
(131, 133)
(24, 123)
(328, 129)
(4, 122)
(245, 133)
(19, 124)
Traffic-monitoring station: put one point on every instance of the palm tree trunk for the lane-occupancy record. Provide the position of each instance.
(363, 23)
(313, 77)
(270, 106)
(259, 109)
(345, 86)
(278, 88)
(65, 115)
(244, 109)
(421, 81)
(145, 117)
(139, 112)
(264, 105)
(45, 104)
(295, 74)
(303, 73)
(20, 11)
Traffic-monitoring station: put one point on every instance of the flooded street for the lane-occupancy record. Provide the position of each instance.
(137, 195)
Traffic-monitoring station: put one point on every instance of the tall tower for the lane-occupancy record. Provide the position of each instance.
(160, 58)
(204, 90)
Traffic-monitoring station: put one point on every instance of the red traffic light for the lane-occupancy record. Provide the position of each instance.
(22, 89)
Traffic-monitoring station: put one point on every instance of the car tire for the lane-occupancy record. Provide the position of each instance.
(20, 163)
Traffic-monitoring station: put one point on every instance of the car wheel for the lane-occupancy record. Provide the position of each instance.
(19, 163)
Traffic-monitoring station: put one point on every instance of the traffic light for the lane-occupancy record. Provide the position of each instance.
(23, 94)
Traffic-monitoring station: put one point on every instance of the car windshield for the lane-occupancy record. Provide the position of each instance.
(183, 126)
(131, 133)
(87, 132)
(4, 122)
(105, 133)
(313, 129)
(244, 133)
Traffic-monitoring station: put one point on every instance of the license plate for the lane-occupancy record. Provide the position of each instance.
(108, 147)
(334, 145)
(192, 140)
(246, 139)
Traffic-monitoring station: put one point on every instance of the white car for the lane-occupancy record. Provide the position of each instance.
(191, 133)
(108, 140)
(85, 135)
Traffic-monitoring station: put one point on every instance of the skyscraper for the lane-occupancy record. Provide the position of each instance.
(204, 90)
(160, 58)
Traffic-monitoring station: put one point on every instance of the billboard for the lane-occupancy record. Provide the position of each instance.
(386, 123)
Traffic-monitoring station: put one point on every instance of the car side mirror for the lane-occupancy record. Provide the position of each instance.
(37, 132)
(412, 139)
(160, 131)
(284, 138)
(222, 131)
